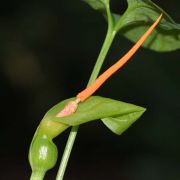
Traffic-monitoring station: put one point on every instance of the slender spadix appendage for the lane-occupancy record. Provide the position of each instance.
(43, 152)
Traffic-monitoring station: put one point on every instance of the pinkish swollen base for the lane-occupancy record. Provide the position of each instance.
(69, 109)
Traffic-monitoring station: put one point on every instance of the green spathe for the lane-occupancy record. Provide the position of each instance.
(116, 115)
(42, 155)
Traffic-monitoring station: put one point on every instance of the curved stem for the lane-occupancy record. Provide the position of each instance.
(106, 45)
(72, 136)
(105, 48)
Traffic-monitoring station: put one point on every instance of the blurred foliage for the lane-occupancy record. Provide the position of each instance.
(47, 51)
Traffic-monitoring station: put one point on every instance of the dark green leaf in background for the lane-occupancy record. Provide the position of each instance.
(139, 15)
(99, 5)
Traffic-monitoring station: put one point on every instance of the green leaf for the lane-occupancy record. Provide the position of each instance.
(116, 115)
(99, 5)
(96, 4)
(139, 15)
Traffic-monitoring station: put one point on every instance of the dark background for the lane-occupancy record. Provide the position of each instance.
(47, 52)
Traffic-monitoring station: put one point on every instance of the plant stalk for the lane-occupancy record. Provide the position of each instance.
(72, 136)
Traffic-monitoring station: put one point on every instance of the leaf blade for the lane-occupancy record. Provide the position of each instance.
(138, 17)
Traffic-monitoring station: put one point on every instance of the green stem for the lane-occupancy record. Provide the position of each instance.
(106, 45)
(72, 136)
(37, 175)
(67, 152)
